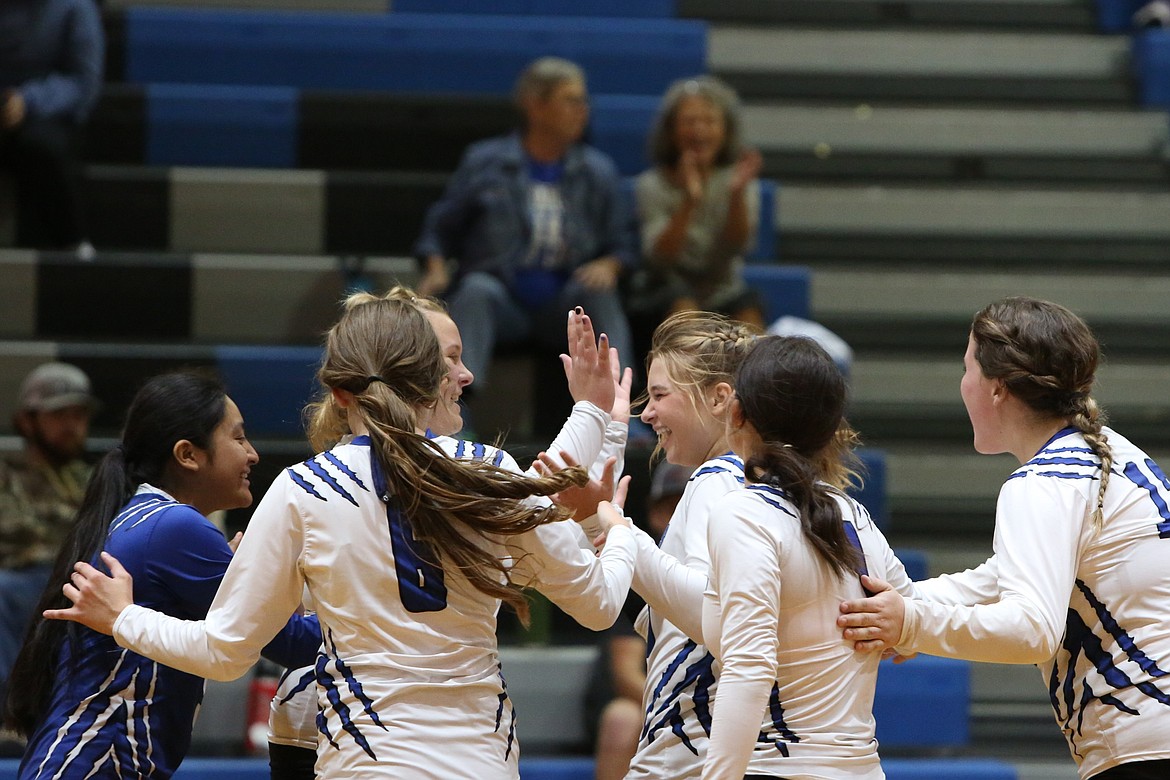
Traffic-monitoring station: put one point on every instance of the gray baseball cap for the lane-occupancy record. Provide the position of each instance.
(53, 386)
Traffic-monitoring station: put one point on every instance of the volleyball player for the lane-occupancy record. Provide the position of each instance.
(407, 554)
(1078, 583)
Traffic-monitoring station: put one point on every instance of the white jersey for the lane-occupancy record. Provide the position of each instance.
(409, 679)
(1090, 608)
(292, 718)
(680, 678)
(795, 700)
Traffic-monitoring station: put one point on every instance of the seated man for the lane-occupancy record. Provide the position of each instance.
(534, 223)
(40, 491)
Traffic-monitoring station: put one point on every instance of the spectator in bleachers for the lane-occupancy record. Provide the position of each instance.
(533, 224)
(41, 488)
(51, 64)
(698, 208)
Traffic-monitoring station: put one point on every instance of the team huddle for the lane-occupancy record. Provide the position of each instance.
(375, 570)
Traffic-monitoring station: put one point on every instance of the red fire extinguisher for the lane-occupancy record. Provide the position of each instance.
(265, 677)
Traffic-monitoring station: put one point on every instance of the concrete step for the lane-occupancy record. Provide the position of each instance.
(892, 143)
(986, 227)
(929, 311)
(870, 65)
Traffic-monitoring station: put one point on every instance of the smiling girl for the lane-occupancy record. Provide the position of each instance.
(88, 707)
(1078, 582)
(693, 358)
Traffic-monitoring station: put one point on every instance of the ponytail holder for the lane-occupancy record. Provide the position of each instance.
(356, 386)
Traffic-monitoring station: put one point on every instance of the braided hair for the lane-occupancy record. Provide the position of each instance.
(1047, 357)
(699, 349)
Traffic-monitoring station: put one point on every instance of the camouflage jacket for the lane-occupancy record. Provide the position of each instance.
(37, 505)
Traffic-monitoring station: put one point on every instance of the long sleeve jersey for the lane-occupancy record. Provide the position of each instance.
(114, 713)
(406, 642)
(1087, 606)
(795, 700)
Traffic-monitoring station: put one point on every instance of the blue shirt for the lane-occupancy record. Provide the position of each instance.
(114, 713)
(484, 218)
(53, 52)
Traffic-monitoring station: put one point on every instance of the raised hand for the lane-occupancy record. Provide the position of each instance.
(623, 380)
(587, 365)
(747, 167)
(97, 599)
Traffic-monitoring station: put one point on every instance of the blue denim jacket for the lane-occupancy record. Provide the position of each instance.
(53, 51)
(482, 220)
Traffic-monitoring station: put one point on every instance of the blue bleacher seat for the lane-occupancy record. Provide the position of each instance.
(271, 385)
(873, 495)
(915, 561)
(785, 289)
(657, 9)
(1150, 63)
(923, 703)
(430, 53)
(764, 250)
(620, 125)
(947, 769)
(1114, 16)
(225, 125)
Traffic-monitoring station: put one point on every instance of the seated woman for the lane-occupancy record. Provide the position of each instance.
(698, 208)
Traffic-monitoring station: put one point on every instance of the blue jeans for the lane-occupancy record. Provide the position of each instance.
(20, 591)
(486, 312)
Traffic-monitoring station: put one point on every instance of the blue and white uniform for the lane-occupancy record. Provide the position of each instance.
(292, 718)
(680, 674)
(409, 680)
(114, 713)
(795, 700)
(1088, 607)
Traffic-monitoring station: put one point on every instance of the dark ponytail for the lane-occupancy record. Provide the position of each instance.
(168, 409)
(794, 396)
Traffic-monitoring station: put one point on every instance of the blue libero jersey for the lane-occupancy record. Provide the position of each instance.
(114, 713)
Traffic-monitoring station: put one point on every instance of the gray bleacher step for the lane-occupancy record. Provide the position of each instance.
(974, 211)
(885, 142)
(914, 391)
(868, 65)
(974, 226)
(929, 311)
(1048, 14)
